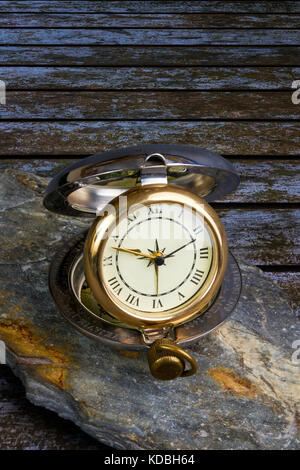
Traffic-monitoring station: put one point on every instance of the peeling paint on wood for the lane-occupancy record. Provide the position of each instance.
(263, 237)
(141, 78)
(149, 37)
(148, 20)
(86, 138)
(153, 6)
(216, 55)
(267, 181)
(149, 105)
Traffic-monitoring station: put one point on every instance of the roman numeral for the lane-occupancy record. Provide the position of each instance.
(204, 252)
(180, 213)
(107, 261)
(181, 296)
(156, 303)
(131, 218)
(115, 285)
(156, 209)
(197, 277)
(198, 230)
(133, 300)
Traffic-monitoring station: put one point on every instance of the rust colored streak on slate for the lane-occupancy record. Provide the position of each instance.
(233, 383)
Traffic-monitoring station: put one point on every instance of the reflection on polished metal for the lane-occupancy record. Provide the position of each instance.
(87, 185)
(167, 360)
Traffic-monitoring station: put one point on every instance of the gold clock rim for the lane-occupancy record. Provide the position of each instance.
(97, 238)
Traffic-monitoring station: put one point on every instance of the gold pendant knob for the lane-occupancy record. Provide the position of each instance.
(167, 360)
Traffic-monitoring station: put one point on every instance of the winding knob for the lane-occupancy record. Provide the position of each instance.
(167, 360)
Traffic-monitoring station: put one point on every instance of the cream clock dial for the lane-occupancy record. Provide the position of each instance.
(158, 258)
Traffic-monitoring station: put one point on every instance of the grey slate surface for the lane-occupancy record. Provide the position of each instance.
(246, 394)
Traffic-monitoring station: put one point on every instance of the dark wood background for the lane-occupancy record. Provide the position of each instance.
(86, 76)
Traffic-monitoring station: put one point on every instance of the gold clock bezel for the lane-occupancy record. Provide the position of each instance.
(100, 231)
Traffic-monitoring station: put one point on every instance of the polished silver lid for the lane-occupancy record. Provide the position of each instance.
(83, 188)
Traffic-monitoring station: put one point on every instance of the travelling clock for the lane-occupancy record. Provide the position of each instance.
(153, 271)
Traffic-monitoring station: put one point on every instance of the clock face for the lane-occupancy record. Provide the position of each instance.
(157, 258)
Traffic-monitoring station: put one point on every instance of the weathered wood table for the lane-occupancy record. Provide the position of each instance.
(82, 77)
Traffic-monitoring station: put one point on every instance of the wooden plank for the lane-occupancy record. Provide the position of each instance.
(28, 427)
(268, 181)
(151, 37)
(148, 20)
(86, 138)
(154, 6)
(150, 56)
(265, 181)
(263, 236)
(142, 78)
(149, 105)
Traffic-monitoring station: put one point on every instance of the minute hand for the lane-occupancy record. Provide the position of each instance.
(178, 249)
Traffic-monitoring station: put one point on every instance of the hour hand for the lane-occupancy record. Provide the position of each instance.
(133, 252)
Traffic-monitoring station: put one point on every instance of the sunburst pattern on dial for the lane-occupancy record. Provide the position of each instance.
(158, 258)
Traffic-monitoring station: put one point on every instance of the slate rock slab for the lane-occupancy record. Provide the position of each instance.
(245, 396)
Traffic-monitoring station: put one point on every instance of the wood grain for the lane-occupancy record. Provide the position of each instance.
(143, 78)
(153, 6)
(149, 105)
(275, 56)
(85, 138)
(265, 181)
(148, 20)
(150, 37)
(263, 236)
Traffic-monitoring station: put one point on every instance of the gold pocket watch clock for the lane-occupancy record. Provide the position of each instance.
(153, 272)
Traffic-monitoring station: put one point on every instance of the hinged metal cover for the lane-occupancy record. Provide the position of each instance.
(89, 184)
